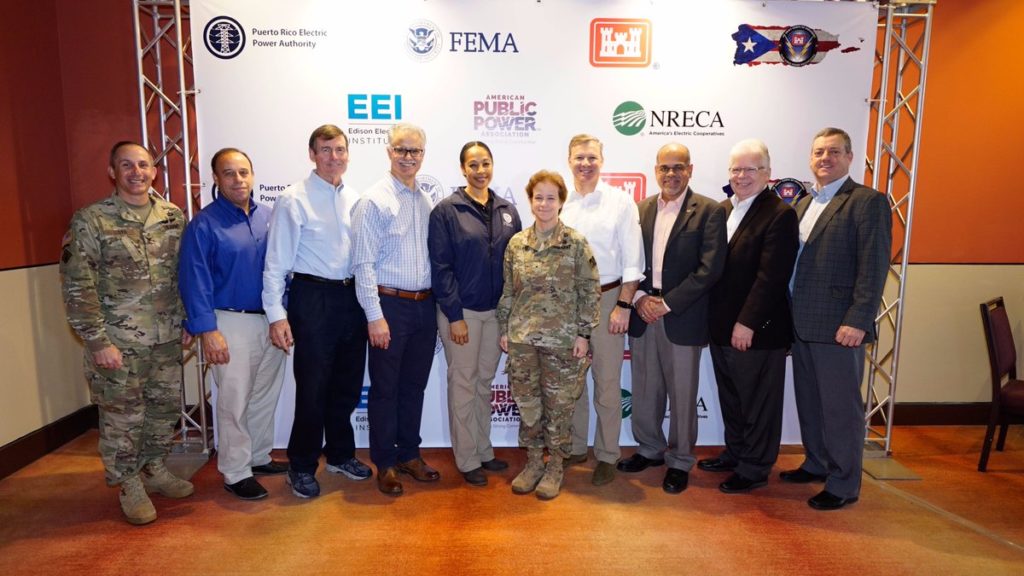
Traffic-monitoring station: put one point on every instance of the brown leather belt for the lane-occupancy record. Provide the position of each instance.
(417, 296)
(611, 285)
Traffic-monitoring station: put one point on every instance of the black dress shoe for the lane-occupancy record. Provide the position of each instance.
(247, 489)
(475, 477)
(801, 476)
(637, 463)
(826, 500)
(716, 465)
(494, 465)
(737, 484)
(272, 468)
(675, 480)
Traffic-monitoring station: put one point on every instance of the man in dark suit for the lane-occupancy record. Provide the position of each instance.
(845, 248)
(751, 326)
(684, 248)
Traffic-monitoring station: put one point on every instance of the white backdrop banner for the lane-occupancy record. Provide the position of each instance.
(524, 76)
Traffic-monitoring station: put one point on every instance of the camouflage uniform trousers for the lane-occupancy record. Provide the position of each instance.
(139, 406)
(545, 382)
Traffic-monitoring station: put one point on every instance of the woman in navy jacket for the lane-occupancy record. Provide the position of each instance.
(468, 234)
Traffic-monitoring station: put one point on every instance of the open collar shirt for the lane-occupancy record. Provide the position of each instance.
(609, 220)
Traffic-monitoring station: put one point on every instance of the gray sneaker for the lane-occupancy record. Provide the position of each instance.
(352, 468)
(304, 484)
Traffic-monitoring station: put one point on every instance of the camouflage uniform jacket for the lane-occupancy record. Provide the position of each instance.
(120, 275)
(551, 292)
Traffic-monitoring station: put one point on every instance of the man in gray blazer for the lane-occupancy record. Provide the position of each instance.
(845, 248)
(684, 248)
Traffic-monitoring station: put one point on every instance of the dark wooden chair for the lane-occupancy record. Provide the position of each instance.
(1007, 390)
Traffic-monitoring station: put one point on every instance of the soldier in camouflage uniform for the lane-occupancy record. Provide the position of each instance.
(120, 279)
(547, 310)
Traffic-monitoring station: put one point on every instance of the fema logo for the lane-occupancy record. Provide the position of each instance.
(224, 37)
(798, 45)
(431, 187)
(629, 118)
(790, 190)
(423, 40)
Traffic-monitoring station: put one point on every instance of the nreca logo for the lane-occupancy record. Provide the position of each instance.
(224, 37)
(632, 183)
(629, 118)
(423, 40)
(627, 403)
(620, 42)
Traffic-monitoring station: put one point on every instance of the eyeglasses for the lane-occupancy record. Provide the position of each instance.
(665, 169)
(745, 171)
(410, 152)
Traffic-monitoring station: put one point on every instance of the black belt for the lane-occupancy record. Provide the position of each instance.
(655, 292)
(611, 285)
(311, 278)
(235, 310)
(416, 295)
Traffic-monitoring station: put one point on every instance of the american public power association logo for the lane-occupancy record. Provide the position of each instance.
(423, 40)
(797, 45)
(620, 42)
(431, 187)
(629, 118)
(224, 37)
(632, 183)
(789, 189)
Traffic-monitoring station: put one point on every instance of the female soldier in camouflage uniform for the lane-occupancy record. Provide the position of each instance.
(547, 309)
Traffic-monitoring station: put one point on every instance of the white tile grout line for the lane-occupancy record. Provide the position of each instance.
(948, 515)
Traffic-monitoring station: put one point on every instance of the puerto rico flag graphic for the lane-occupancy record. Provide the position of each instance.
(787, 45)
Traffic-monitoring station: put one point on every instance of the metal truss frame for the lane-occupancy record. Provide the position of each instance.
(166, 104)
(897, 106)
(166, 112)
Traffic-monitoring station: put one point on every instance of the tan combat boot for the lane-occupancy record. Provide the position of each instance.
(527, 480)
(135, 504)
(552, 480)
(157, 478)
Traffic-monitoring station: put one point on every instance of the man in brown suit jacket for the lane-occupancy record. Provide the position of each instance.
(751, 327)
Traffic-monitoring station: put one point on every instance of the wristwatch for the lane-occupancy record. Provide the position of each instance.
(624, 304)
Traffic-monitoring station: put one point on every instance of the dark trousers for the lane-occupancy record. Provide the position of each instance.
(826, 384)
(398, 377)
(329, 328)
(751, 385)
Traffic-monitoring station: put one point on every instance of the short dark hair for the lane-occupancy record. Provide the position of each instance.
(468, 145)
(830, 131)
(550, 177)
(326, 132)
(222, 152)
(121, 144)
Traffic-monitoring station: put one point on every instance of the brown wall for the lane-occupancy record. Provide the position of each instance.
(67, 91)
(970, 199)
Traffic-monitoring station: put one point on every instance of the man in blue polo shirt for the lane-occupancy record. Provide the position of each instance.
(221, 283)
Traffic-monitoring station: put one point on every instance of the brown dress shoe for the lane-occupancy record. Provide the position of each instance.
(419, 470)
(387, 482)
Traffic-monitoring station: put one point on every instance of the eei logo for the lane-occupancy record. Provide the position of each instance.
(620, 42)
(224, 37)
(375, 107)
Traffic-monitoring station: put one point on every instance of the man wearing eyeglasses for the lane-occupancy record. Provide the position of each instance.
(392, 269)
(684, 240)
(845, 246)
(607, 217)
(311, 239)
(751, 327)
